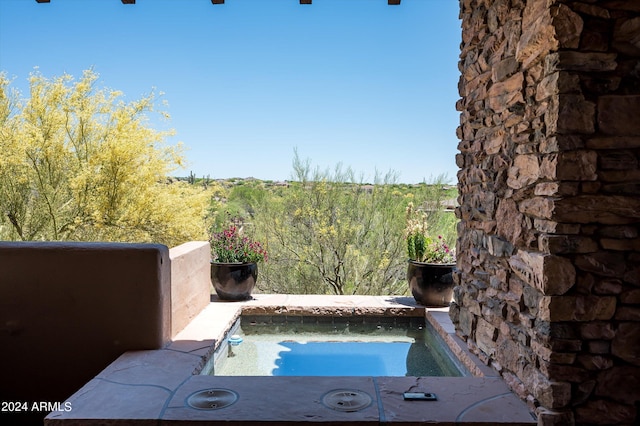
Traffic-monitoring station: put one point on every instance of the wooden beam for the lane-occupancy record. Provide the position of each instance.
(391, 2)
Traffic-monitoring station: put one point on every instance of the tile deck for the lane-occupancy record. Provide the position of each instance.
(152, 387)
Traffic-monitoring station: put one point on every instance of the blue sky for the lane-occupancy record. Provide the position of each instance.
(355, 82)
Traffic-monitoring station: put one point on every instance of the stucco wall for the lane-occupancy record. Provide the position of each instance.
(190, 282)
(67, 310)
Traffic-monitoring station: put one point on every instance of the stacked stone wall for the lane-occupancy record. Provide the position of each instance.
(549, 236)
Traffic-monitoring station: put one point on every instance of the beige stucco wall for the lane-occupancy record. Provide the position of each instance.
(190, 282)
(69, 309)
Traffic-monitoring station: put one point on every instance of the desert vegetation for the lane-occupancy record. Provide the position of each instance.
(328, 232)
(80, 164)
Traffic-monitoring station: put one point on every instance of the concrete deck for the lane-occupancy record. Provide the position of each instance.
(152, 387)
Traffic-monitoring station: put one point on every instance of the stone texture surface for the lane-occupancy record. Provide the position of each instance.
(297, 400)
(152, 387)
(617, 115)
(486, 400)
(549, 183)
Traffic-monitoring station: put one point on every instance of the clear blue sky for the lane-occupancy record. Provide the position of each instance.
(353, 81)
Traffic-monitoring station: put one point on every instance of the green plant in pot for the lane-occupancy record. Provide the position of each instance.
(234, 263)
(431, 262)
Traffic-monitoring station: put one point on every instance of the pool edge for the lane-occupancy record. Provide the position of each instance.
(141, 387)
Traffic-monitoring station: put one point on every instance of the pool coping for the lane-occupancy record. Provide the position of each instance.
(151, 387)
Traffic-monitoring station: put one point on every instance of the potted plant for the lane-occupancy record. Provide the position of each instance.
(234, 263)
(431, 262)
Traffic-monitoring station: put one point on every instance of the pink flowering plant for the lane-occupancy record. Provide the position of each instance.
(230, 246)
(421, 247)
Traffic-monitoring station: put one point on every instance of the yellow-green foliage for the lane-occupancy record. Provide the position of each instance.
(82, 164)
(327, 233)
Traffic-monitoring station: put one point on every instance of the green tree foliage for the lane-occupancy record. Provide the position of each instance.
(82, 164)
(239, 207)
(329, 233)
(431, 198)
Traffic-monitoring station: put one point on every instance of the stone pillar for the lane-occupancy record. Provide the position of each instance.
(549, 236)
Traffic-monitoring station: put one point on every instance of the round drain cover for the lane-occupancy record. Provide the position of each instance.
(212, 399)
(346, 400)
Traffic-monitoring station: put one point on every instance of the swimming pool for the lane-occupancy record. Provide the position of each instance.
(307, 346)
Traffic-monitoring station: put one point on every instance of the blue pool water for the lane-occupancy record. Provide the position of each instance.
(342, 359)
(340, 348)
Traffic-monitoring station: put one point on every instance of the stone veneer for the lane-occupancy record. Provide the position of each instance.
(549, 247)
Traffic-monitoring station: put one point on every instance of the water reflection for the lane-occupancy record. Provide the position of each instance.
(352, 349)
(342, 359)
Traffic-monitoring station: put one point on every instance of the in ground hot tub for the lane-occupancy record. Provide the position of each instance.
(333, 346)
(165, 385)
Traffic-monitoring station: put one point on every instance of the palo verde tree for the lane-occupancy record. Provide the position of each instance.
(329, 233)
(80, 163)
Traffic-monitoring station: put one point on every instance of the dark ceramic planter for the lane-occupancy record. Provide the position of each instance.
(431, 283)
(234, 281)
